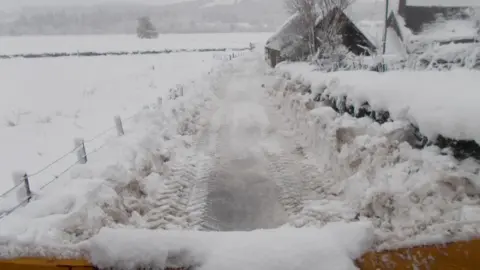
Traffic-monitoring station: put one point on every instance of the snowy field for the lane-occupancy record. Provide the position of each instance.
(109, 43)
(46, 103)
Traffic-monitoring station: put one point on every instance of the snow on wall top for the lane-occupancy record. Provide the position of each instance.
(436, 102)
(443, 3)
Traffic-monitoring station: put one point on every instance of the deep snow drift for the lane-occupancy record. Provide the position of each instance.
(369, 170)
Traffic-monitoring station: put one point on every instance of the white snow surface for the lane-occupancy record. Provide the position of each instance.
(129, 43)
(103, 209)
(46, 103)
(334, 246)
(370, 171)
(321, 167)
(438, 102)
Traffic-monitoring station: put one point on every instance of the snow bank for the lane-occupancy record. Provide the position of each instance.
(436, 102)
(334, 246)
(369, 170)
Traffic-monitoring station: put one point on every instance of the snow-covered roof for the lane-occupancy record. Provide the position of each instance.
(363, 26)
(285, 33)
(439, 31)
(448, 30)
(443, 3)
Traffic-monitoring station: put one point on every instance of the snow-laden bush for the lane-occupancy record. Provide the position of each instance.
(429, 57)
(446, 57)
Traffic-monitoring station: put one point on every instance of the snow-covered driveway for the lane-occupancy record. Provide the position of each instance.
(249, 144)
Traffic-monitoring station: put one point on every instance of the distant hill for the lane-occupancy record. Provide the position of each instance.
(115, 18)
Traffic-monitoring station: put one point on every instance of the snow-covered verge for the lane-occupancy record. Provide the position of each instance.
(46, 103)
(126, 185)
(370, 171)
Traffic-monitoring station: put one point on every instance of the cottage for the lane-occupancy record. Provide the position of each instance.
(419, 22)
(418, 13)
(288, 42)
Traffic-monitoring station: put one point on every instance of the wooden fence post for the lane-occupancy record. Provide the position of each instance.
(81, 152)
(28, 191)
(19, 178)
(119, 125)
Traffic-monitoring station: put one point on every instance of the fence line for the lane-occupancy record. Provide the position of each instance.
(27, 177)
(52, 163)
(81, 154)
(229, 56)
(10, 190)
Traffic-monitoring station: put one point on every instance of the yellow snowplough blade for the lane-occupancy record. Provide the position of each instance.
(44, 264)
(463, 255)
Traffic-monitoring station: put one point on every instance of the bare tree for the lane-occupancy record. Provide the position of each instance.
(321, 21)
(308, 15)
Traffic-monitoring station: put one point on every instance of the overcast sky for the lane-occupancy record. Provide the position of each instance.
(8, 4)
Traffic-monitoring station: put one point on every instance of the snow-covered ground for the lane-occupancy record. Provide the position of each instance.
(243, 148)
(219, 139)
(46, 103)
(113, 43)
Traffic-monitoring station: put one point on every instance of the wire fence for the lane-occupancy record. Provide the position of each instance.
(22, 180)
(228, 56)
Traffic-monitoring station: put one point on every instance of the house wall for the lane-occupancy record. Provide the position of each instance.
(417, 17)
(272, 56)
(352, 37)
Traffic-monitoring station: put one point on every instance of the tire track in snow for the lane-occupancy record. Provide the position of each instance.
(257, 177)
